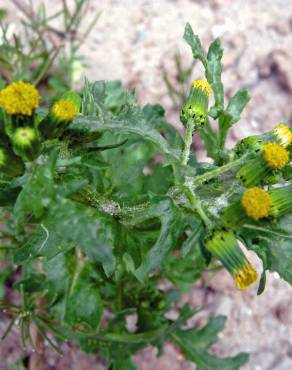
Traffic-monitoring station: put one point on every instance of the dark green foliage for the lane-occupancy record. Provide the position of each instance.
(111, 207)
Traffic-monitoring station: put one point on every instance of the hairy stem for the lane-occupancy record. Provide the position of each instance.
(219, 171)
(188, 142)
(196, 204)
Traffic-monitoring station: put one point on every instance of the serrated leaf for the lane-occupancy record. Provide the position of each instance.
(8, 193)
(193, 238)
(195, 44)
(4, 275)
(126, 169)
(132, 121)
(164, 209)
(159, 181)
(83, 303)
(273, 244)
(214, 71)
(116, 95)
(231, 114)
(195, 346)
(185, 268)
(58, 272)
(38, 191)
(59, 233)
(34, 282)
(93, 96)
(124, 363)
(154, 115)
(237, 103)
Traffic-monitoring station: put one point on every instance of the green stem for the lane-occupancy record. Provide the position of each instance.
(188, 142)
(219, 171)
(224, 125)
(120, 295)
(196, 204)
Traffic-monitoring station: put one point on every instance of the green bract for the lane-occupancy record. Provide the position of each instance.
(26, 143)
(103, 199)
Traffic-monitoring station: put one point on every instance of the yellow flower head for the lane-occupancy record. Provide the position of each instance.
(203, 85)
(284, 134)
(65, 110)
(224, 246)
(245, 277)
(275, 156)
(256, 203)
(19, 98)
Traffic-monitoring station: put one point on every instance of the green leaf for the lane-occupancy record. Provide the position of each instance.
(210, 140)
(273, 244)
(83, 301)
(169, 215)
(159, 180)
(232, 113)
(4, 275)
(126, 169)
(69, 224)
(122, 363)
(131, 122)
(93, 96)
(195, 345)
(102, 98)
(193, 238)
(34, 282)
(8, 193)
(58, 271)
(116, 95)
(123, 338)
(236, 104)
(185, 268)
(195, 44)
(214, 71)
(38, 191)
(154, 115)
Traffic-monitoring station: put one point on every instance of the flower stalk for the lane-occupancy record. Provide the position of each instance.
(188, 142)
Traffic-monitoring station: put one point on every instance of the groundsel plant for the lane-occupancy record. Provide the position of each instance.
(94, 220)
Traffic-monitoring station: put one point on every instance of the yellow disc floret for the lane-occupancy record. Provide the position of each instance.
(245, 277)
(203, 85)
(64, 110)
(19, 98)
(256, 202)
(284, 134)
(275, 156)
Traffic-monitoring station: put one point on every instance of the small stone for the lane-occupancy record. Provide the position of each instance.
(277, 64)
(284, 313)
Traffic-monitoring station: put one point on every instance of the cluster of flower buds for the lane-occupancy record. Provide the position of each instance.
(23, 131)
(196, 107)
(271, 154)
(267, 162)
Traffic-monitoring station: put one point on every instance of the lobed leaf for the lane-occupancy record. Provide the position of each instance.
(214, 71)
(195, 346)
(195, 44)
